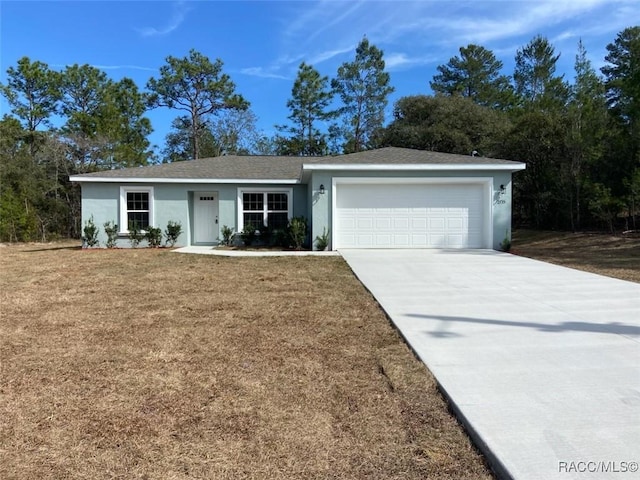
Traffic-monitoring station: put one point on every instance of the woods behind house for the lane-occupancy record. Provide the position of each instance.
(579, 137)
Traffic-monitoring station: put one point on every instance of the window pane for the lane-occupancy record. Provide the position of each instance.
(137, 201)
(253, 218)
(141, 219)
(277, 201)
(277, 220)
(252, 201)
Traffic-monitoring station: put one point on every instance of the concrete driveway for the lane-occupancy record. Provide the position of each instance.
(541, 362)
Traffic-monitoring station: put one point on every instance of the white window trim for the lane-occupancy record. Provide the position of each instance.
(123, 225)
(240, 209)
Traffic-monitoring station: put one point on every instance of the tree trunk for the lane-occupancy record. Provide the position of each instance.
(578, 204)
(194, 139)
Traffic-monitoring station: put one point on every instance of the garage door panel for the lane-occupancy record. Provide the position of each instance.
(364, 223)
(455, 241)
(419, 240)
(455, 223)
(410, 215)
(365, 240)
(437, 240)
(419, 223)
(383, 240)
(346, 224)
(383, 223)
(436, 224)
(401, 223)
(401, 241)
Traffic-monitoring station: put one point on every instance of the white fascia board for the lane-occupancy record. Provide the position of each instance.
(415, 167)
(80, 179)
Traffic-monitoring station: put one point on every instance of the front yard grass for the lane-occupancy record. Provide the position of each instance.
(615, 256)
(145, 364)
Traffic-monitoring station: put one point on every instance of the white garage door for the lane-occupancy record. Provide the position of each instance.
(410, 216)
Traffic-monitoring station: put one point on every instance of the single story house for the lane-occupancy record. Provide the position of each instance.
(385, 198)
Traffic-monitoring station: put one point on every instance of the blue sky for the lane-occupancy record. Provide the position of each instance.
(262, 42)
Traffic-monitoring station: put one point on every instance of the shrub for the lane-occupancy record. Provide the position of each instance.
(153, 236)
(248, 234)
(173, 231)
(297, 231)
(322, 241)
(135, 234)
(266, 235)
(280, 237)
(111, 229)
(227, 235)
(90, 233)
(505, 246)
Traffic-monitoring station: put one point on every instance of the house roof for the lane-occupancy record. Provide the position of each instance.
(230, 167)
(290, 169)
(408, 156)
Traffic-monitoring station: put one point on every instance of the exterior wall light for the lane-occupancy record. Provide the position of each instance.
(503, 189)
(322, 190)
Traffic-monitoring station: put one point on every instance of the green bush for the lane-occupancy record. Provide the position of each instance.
(266, 235)
(90, 233)
(135, 234)
(18, 219)
(172, 232)
(153, 236)
(279, 237)
(227, 235)
(248, 235)
(505, 246)
(322, 241)
(297, 231)
(111, 229)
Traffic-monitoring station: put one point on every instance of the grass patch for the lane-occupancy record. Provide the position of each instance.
(615, 256)
(151, 364)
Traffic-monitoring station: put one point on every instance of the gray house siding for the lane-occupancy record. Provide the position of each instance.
(175, 202)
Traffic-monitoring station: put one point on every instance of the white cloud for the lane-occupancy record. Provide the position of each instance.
(328, 54)
(422, 32)
(483, 22)
(395, 61)
(565, 35)
(262, 72)
(124, 67)
(180, 10)
(337, 19)
(289, 63)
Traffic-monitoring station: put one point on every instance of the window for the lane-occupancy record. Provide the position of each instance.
(264, 208)
(136, 206)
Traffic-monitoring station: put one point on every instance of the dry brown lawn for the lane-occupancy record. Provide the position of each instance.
(615, 256)
(149, 364)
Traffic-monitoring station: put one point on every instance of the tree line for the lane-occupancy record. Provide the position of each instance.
(580, 140)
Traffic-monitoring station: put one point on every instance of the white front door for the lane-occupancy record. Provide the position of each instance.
(205, 217)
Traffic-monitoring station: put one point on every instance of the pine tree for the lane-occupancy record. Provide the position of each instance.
(474, 74)
(363, 86)
(534, 77)
(197, 86)
(588, 126)
(309, 102)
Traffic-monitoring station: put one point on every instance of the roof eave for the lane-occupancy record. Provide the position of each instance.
(87, 179)
(416, 167)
